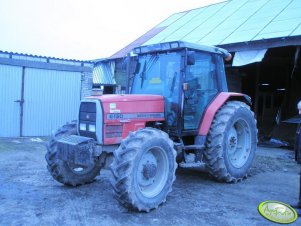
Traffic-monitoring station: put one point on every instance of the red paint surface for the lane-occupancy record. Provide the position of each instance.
(126, 97)
(212, 109)
(129, 104)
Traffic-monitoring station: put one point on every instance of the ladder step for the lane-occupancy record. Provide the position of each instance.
(199, 165)
(194, 147)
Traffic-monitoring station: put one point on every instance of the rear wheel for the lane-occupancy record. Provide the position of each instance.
(144, 169)
(64, 172)
(231, 142)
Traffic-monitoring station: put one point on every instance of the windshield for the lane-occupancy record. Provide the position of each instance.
(158, 74)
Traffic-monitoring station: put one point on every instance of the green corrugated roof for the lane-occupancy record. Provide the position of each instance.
(233, 21)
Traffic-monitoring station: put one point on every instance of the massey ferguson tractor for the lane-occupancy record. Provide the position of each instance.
(178, 112)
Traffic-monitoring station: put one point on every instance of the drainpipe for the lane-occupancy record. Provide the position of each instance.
(22, 102)
(128, 62)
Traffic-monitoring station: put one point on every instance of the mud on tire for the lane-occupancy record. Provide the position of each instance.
(60, 170)
(144, 168)
(231, 143)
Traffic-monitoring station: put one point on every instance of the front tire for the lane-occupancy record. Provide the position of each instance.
(144, 169)
(231, 143)
(62, 171)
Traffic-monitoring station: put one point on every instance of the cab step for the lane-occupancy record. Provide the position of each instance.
(194, 147)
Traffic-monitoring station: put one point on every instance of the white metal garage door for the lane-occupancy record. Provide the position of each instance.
(10, 94)
(51, 98)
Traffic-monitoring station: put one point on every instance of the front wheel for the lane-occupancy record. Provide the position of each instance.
(64, 172)
(144, 169)
(231, 142)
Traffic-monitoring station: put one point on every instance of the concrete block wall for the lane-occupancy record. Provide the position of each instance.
(87, 80)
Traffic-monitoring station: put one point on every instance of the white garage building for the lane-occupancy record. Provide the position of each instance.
(38, 94)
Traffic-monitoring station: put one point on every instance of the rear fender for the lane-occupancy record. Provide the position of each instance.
(215, 105)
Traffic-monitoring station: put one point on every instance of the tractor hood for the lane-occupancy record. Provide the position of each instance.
(120, 114)
(127, 98)
(130, 108)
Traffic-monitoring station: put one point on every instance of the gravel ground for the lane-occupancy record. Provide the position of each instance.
(29, 195)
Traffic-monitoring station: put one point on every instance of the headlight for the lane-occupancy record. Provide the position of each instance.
(92, 128)
(82, 126)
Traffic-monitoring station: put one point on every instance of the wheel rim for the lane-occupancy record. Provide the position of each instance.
(80, 170)
(152, 172)
(239, 143)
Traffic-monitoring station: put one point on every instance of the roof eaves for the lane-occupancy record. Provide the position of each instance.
(45, 57)
(263, 44)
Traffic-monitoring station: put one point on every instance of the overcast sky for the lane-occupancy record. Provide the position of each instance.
(81, 29)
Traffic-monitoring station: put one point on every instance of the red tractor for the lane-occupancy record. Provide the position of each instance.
(178, 111)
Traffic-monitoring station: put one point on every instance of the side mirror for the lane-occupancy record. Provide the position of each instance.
(190, 58)
(228, 57)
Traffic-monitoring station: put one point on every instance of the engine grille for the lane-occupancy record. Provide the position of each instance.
(113, 131)
(87, 119)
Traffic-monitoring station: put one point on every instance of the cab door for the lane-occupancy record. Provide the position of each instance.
(202, 87)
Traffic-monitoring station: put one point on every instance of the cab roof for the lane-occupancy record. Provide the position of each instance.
(176, 45)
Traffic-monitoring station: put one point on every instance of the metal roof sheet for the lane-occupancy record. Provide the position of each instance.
(103, 73)
(43, 62)
(176, 25)
(31, 57)
(204, 26)
(171, 19)
(233, 21)
(123, 52)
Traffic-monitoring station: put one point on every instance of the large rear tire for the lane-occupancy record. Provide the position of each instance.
(231, 143)
(144, 168)
(62, 171)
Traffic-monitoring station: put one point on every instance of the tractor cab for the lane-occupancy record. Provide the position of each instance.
(187, 75)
